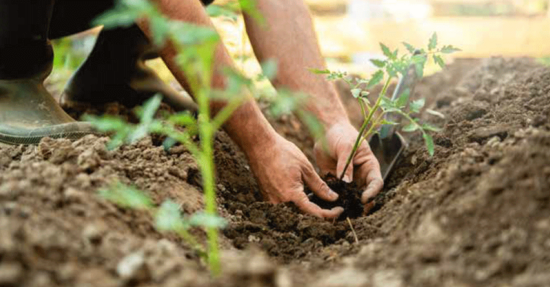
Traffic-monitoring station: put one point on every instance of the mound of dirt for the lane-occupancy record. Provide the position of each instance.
(475, 214)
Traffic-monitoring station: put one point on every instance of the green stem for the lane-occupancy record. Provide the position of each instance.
(365, 125)
(206, 164)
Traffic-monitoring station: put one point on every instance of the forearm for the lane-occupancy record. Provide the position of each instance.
(247, 125)
(289, 38)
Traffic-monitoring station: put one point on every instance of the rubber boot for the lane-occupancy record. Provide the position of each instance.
(115, 71)
(27, 111)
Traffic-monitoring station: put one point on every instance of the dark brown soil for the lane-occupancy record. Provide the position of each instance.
(349, 197)
(475, 214)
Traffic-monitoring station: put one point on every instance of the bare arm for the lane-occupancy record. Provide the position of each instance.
(290, 39)
(279, 166)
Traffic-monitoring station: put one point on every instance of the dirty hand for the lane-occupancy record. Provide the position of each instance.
(364, 169)
(282, 170)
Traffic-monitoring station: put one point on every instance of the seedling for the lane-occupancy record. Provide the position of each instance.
(393, 66)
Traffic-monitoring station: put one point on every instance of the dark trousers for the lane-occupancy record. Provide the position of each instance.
(27, 25)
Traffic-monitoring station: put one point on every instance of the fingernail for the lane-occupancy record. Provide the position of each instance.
(346, 179)
(333, 194)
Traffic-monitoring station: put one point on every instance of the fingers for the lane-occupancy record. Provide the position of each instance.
(317, 185)
(306, 206)
(341, 164)
(375, 184)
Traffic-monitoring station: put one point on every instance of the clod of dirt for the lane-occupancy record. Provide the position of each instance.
(349, 197)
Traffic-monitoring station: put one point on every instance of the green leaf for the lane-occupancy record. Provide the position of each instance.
(410, 128)
(375, 79)
(319, 72)
(387, 104)
(269, 69)
(183, 119)
(168, 217)
(448, 49)
(409, 47)
(438, 60)
(433, 42)
(403, 99)
(222, 11)
(428, 127)
(435, 113)
(387, 52)
(150, 108)
(419, 69)
(417, 105)
(419, 59)
(428, 140)
(378, 63)
(126, 196)
(356, 93)
(207, 220)
(387, 122)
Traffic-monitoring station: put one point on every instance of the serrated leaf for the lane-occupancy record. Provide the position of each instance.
(429, 127)
(378, 63)
(428, 140)
(387, 52)
(387, 104)
(409, 47)
(356, 93)
(168, 217)
(375, 79)
(416, 106)
(410, 128)
(438, 60)
(448, 49)
(433, 42)
(269, 69)
(207, 220)
(418, 59)
(435, 113)
(126, 196)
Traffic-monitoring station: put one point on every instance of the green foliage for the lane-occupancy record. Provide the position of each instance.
(395, 65)
(127, 196)
(196, 61)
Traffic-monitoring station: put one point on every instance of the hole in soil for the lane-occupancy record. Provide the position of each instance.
(349, 198)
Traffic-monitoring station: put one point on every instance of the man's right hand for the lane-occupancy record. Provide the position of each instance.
(282, 170)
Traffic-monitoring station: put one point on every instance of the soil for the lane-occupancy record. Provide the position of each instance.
(475, 214)
(349, 197)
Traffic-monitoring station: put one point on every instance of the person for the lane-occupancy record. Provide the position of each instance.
(115, 71)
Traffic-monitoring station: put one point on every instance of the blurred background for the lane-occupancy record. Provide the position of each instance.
(350, 31)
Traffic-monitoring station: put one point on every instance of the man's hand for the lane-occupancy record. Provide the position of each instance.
(282, 170)
(364, 169)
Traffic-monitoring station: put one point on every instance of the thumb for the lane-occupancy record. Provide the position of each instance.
(317, 185)
(341, 165)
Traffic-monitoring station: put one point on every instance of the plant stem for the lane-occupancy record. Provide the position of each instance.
(365, 125)
(206, 164)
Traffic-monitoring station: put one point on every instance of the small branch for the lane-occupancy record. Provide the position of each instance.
(353, 231)
(365, 125)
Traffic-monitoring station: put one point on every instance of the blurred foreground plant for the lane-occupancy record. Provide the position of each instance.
(195, 46)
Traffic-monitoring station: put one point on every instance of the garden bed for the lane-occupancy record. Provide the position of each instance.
(475, 214)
